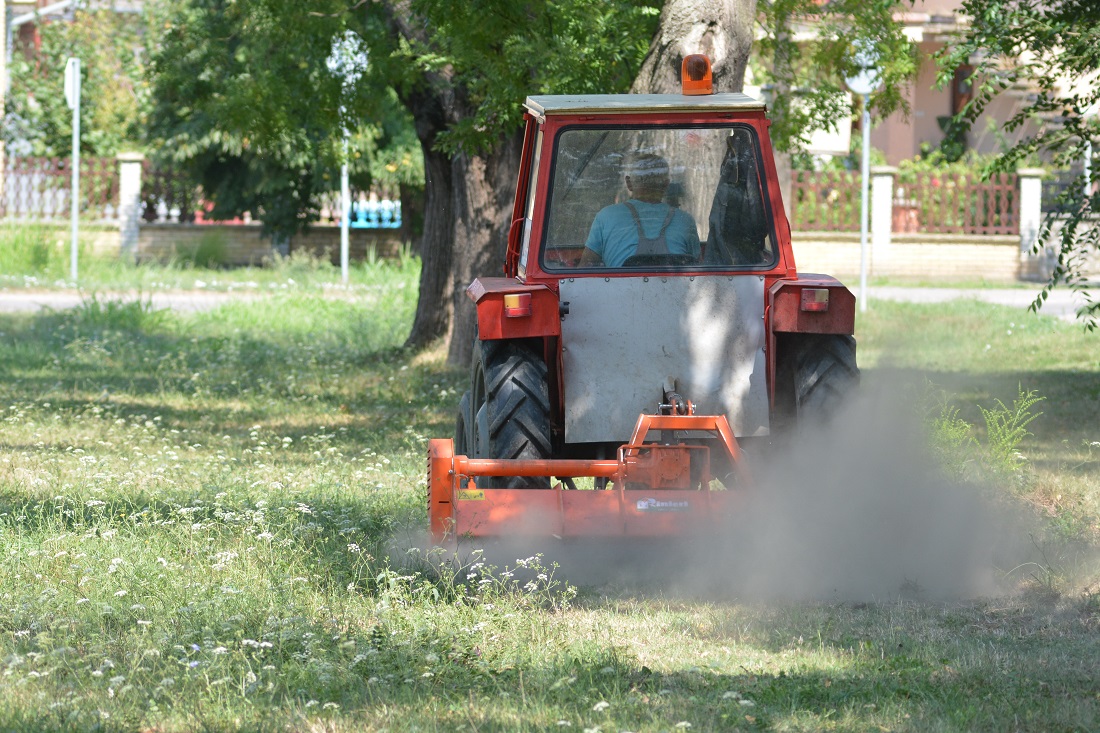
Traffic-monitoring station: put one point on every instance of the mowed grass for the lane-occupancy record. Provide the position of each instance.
(206, 517)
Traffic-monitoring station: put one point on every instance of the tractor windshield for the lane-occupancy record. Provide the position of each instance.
(646, 197)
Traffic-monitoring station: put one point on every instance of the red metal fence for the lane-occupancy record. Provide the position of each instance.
(825, 201)
(957, 204)
(40, 189)
(941, 203)
(168, 195)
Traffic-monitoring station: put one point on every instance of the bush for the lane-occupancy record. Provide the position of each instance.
(30, 249)
(208, 253)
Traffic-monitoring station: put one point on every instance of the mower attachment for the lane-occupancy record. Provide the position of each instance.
(658, 489)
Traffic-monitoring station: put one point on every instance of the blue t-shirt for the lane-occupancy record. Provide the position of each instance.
(614, 235)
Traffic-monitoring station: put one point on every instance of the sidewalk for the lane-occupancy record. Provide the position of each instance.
(1062, 303)
(25, 301)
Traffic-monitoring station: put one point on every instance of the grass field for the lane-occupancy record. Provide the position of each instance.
(199, 514)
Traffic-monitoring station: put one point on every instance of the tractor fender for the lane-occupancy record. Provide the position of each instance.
(510, 309)
(827, 308)
(811, 304)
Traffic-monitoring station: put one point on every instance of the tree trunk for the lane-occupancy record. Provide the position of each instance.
(433, 306)
(430, 99)
(484, 190)
(721, 29)
(782, 71)
(467, 207)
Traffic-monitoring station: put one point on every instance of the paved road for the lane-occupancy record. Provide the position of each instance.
(1062, 303)
(22, 301)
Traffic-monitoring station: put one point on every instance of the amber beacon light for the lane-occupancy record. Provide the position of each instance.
(695, 75)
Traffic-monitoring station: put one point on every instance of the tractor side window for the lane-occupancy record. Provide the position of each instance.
(528, 212)
(737, 221)
(646, 197)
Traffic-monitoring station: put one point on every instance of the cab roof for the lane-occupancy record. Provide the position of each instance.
(563, 104)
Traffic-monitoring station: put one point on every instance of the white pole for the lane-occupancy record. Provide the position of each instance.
(345, 207)
(865, 177)
(1088, 169)
(73, 70)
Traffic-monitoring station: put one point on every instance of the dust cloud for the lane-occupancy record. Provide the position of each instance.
(857, 511)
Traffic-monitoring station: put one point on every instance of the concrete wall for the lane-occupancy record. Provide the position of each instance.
(245, 245)
(916, 257)
(225, 244)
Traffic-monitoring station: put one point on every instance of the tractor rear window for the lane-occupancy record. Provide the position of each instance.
(661, 197)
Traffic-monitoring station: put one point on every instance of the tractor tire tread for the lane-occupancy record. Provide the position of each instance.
(825, 373)
(518, 406)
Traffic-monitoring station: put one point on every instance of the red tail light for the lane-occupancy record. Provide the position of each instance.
(815, 299)
(517, 305)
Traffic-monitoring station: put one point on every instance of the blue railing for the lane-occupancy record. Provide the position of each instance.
(384, 214)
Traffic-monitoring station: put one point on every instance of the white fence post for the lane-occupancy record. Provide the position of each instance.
(129, 203)
(1032, 266)
(882, 210)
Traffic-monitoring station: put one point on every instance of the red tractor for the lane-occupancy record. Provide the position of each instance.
(649, 321)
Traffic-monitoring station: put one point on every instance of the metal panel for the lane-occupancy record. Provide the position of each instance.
(548, 104)
(624, 337)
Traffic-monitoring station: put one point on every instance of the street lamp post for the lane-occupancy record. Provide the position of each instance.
(72, 98)
(347, 60)
(864, 84)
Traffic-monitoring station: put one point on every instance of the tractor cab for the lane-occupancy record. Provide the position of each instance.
(645, 185)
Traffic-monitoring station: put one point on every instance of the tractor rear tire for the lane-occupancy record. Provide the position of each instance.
(509, 409)
(825, 373)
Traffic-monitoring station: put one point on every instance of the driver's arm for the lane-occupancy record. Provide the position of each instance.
(594, 245)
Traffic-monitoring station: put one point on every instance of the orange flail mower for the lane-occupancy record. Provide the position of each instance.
(659, 489)
(649, 289)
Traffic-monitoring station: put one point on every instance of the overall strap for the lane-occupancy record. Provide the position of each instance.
(651, 246)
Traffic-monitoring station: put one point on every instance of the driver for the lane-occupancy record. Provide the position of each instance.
(643, 225)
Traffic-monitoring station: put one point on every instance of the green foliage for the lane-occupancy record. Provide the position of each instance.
(246, 105)
(208, 253)
(937, 161)
(1006, 427)
(96, 314)
(1051, 50)
(501, 51)
(951, 437)
(114, 96)
(808, 75)
(29, 249)
(955, 442)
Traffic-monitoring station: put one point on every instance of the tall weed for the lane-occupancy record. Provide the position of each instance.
(112, 314)
(961, 452)
(952, 439)
(1006, 427)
